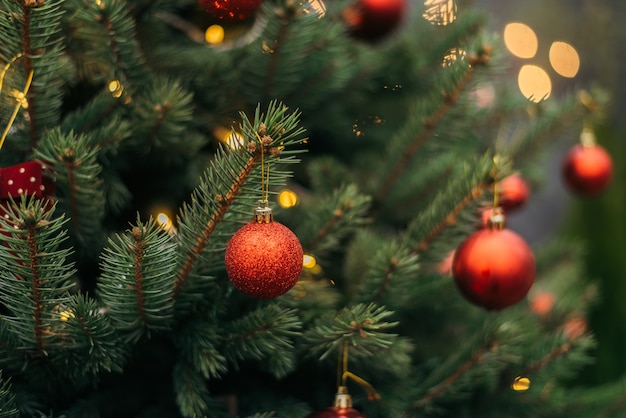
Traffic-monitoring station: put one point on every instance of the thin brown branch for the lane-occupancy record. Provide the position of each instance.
(450, 219)
(444, 386)
(557, 352)
(139, 273)
(430, 124)
(273, 64)
(36, 282)
(203, 238)
(338, 214)
(163, 110)
(384, 286)
(69, 160)
(28, 67)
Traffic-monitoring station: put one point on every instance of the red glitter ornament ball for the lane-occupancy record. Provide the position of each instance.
(587, 169)
(264, 259)
(513, 192)
(494, 268)
(372, 20)
(231, 9)
(336, 412)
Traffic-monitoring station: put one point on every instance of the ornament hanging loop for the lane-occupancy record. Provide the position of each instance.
(263, 213)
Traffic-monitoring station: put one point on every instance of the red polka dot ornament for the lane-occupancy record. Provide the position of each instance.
(587, 167)
(231, 9)
(494, 267)
(264, 258)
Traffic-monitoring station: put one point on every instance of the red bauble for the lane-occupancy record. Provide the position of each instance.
(494, 268)
(231, 9)
(336, 412)
(264, 259)
(513, 192)
(374, 19)
(587, 169)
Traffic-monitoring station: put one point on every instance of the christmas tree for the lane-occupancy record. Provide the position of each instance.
(306, 217)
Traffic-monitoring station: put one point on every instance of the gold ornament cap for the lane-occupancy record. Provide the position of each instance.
(263, 213)
(343, 400)
(497, 220)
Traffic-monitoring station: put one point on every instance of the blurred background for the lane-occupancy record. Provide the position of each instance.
(593, 33)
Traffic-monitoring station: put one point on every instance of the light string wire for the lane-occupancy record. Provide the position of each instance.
(19, 103)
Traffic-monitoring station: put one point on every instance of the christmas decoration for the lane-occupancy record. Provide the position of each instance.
(341, 409)
(231, 9)
(264, 258)
(514, 192)
(542, 303)
(494, 267)
(587, 169)
(24, 179)
(374, 19)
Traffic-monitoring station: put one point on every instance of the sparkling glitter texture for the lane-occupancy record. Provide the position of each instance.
(231, 9)
(264, 260)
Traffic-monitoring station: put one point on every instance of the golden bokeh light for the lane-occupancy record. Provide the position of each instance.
(453, 55)
(287, 198)
(440, 12)
(308, 261)
(521, 384)
(214, 34)
(564, 59)
(534, 83)
(164, 221)
(520, 40)
(318, 6)
(116, 88)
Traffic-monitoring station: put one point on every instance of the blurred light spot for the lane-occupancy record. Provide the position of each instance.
(318, 6)
(520, 40)
(440, 12)
(233, 139)
(484, 95)
(521, 384)
(214, 34)
(308, 261)
(287, 198)
(564, 59)
(534, 83)
(164, 221)
(453, 55)
(116, 88)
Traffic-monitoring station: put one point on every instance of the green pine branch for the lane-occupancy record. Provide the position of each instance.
(33, 41)
(104, 43)
(78, 184)
(265, 334)
(136, 280)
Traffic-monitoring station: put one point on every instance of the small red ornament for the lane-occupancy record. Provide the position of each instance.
(264, 258)
(341, 409)
(587, 169)
(231, 9)
(371, 20)
(542, 303)
(494, 267)
(513, 192)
